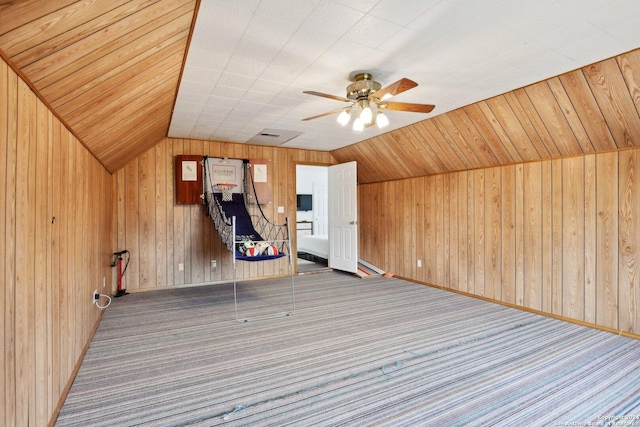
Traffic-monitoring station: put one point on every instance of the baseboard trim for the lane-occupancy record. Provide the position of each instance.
(74, 373)
(196, 285)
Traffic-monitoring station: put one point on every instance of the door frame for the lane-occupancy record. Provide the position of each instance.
(294, 245)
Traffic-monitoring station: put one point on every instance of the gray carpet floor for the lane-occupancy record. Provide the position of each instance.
(356, 352)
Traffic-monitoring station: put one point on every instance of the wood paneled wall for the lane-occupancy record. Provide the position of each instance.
(161, 234)
(55, 245)
(559, 236)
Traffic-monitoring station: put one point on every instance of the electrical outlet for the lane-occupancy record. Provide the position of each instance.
(419, 263)
(95, 297)
(180, 267)
(214, 264)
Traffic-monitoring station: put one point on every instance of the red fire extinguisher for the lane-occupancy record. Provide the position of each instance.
(118, 261)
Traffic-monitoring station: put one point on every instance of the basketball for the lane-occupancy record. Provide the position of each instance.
(262, 247)
(253, 251)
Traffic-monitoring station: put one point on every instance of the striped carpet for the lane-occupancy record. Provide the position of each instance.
(375, 352)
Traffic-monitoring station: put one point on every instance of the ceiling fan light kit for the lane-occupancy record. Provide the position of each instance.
(364, 114)
(368, 98)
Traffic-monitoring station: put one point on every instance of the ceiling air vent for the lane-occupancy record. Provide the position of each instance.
(273, 137)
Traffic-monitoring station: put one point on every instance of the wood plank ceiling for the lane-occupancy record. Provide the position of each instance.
(109, 69)
(589, 110)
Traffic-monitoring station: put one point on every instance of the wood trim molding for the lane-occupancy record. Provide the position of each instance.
(184, 61)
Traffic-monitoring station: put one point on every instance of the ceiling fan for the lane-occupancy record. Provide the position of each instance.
(368, 100)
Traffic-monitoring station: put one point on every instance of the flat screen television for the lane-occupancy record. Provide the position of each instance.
(304, 202)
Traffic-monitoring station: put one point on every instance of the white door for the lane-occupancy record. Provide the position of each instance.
(343, 217)
(320, 212)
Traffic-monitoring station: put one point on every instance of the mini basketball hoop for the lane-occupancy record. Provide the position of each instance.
(226, 190)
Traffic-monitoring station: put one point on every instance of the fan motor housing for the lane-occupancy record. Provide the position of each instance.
(362, 87)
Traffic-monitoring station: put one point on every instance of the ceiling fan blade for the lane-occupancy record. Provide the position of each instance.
(394, 88)
(325, 95)
(405, 106)
(323, 115)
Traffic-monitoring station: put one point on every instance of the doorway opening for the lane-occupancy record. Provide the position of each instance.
(312, 218)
